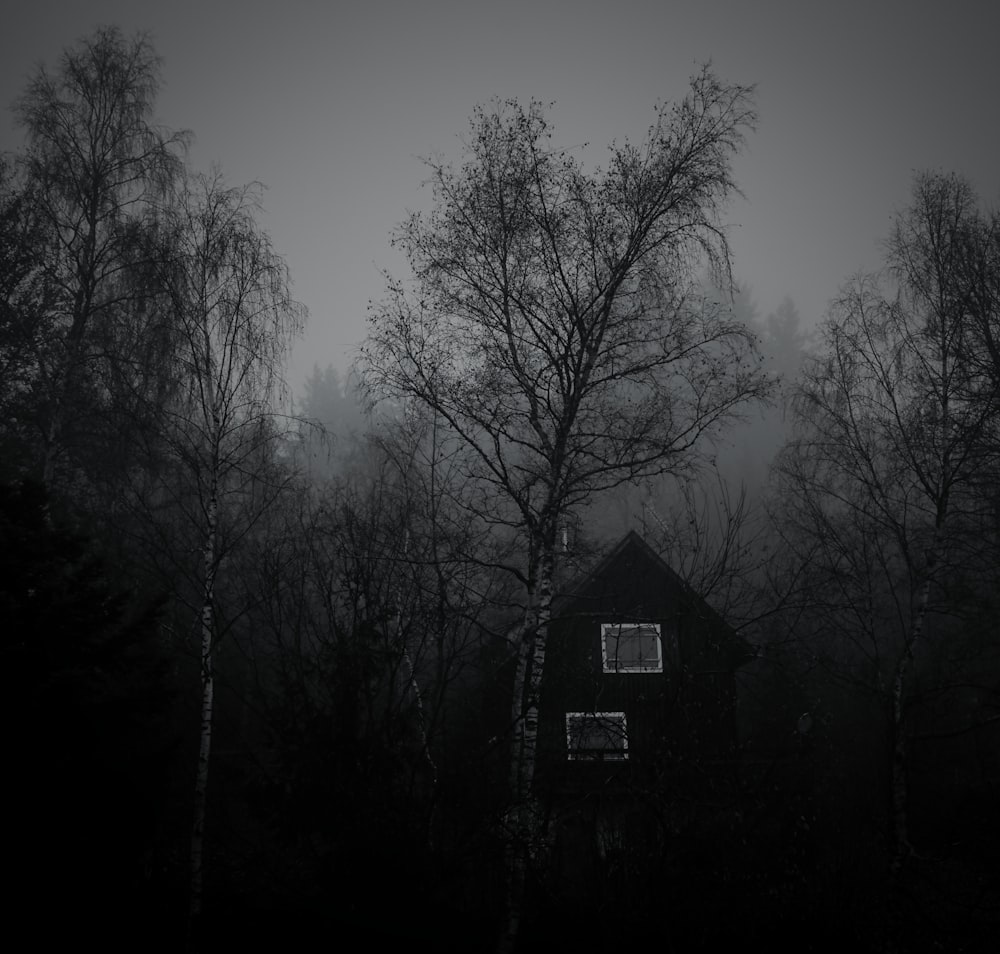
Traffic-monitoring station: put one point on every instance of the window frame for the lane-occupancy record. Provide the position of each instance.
(575, 754)
(612, 667)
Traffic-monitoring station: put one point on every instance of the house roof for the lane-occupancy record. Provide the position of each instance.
(637, 581)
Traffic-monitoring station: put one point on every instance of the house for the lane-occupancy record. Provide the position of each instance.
(639, 674)
(637, 717)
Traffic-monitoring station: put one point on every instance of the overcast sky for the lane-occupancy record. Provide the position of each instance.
(332, 105)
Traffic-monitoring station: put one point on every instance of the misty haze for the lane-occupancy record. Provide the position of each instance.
(501, 481)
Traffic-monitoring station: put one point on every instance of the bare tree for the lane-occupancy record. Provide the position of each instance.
(974, 274)
(24, 304)
(552, 325)
(95, 162)
(235, 319)
(880, 483)
(715, 540)
(367, 636)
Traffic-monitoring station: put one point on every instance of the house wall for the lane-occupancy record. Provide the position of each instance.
(680, 720)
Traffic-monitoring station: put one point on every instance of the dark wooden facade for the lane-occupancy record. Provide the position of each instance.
(678, 716)
(625, 831)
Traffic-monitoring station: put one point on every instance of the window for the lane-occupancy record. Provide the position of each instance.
(631, 647)
(598, 736)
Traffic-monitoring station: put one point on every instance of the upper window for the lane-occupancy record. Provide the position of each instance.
(631, 647)
(598, 736)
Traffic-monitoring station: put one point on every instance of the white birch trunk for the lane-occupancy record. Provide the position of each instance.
(536, 663)
(515, 856)
(207, 702)
(418, 697)
(525, 830)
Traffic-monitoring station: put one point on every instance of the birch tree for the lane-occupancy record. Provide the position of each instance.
(552, 324)
(24, 312)
(96, 166)
(880, 482)
(234, 323)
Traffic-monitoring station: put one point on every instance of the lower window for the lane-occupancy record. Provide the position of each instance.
(598, 736)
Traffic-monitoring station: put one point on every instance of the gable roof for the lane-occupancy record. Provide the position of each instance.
(632, 579)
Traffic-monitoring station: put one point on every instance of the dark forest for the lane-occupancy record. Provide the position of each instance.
(589, 607)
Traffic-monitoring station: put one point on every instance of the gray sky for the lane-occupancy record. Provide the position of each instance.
(331, 105)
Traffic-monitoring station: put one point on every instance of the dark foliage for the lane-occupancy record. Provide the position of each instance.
(359, 636)
(86, 729)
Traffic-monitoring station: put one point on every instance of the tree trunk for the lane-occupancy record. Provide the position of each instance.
(525, 820)
(899, 840)
(535, 665)
(515, 858)
(207, 702)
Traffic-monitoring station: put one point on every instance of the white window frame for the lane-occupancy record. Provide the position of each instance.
(597, 755)
(611, 666)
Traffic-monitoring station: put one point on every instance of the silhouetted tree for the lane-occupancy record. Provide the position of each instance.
(880, 485)
(95, 162)
(332, 422)
(25, 316)
(365, 636)
(552, 327)
(235, 318)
